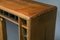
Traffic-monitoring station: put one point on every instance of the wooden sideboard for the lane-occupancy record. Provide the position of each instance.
(35, 20)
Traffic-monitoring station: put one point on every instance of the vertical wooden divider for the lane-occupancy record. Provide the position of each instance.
(20, 30)
(28, 29)
(3, 33)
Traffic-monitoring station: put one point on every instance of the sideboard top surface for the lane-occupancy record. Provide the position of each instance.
(28, 9)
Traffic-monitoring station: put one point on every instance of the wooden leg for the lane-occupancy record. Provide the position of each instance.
(3, 35)
(20, 30)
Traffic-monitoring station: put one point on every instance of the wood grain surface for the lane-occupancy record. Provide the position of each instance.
(40, 18)
(25, 8)
(3, 33)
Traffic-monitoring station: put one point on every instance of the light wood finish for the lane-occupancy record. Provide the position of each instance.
(37, 19)
(3, 34)
(25, 9)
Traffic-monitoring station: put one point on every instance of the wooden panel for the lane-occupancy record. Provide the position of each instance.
(50, 25)
(37, 28)
(25, 8)
(3, 33)
(42, 27)
(2, 1)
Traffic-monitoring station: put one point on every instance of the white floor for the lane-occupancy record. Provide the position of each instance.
(12, 28)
